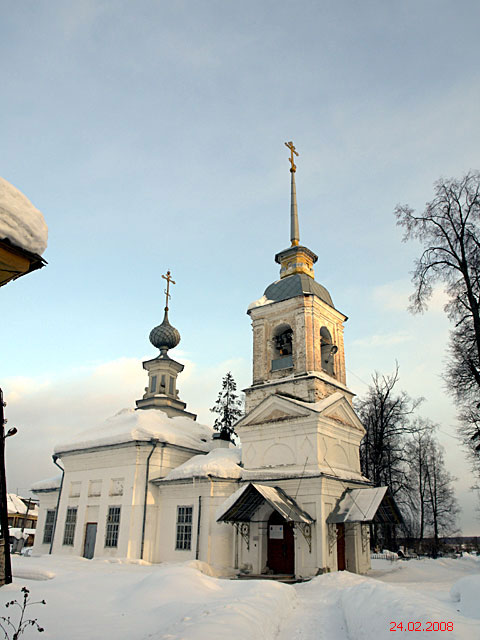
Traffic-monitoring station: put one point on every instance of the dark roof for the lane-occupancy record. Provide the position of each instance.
(297, 285)
(251, 496)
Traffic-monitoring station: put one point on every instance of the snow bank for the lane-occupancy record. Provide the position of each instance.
(370, 606)
(96, 600)
(221, 463)
(49, 484)
(466, 592)
(31, 573)
(129, 425)
(20, 221)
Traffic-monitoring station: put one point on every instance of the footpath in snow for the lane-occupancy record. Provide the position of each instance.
(98, 599)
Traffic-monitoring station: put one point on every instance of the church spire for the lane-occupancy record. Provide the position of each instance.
(295, 259)
(294, 231)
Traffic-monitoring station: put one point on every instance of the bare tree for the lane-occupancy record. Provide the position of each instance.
(449, 230)
(386, 415)
(415, 502)
(441, 496)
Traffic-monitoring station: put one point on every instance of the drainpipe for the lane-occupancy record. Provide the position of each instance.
(197, 551)
(209, 546)
(154, 446)
(55, 458)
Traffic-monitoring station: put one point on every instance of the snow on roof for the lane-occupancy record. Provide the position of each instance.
(15, 504)
(220, 463)
(358, 505)
(21, 222)
(131, 425)
(241, 505)
(16, 532)
(50, 484)
(260, 302)
(270, 473)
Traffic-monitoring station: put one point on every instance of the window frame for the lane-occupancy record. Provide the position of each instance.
(70, 526)
(153, 384)
(112, 528)
(49, 526)
(184, 527)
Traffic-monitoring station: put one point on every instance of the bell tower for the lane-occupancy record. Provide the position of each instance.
(297, 331)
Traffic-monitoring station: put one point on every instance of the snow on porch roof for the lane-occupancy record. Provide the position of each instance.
(372, 504)
(242, 505)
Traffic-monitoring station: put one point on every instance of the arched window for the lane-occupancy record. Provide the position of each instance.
(282, 347)
(327, 350)
(282, 340)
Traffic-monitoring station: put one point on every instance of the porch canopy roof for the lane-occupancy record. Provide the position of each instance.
(371, 504)
(242, 505)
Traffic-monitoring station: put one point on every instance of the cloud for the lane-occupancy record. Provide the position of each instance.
(394, 296)
(382, 340)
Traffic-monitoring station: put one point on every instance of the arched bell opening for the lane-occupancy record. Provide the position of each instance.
(327, 351)
(282, 347)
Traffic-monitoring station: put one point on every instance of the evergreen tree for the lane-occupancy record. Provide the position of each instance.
(229, 408)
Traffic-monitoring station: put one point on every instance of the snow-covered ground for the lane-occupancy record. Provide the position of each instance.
(100, 599)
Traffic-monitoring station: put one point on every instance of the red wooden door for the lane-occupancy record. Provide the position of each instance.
(341, 565)
(281, 545)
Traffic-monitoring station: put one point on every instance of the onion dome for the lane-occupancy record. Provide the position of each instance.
(164, 337)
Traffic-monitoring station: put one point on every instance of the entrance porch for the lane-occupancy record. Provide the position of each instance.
(267, 522)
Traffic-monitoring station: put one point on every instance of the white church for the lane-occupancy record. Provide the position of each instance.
(151, 483)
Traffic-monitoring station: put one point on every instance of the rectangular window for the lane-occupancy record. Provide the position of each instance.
(48, 530)
(113, 523)
(70, 522)
(153, 384)
(184, 528)
(171, 387)
(163, 383)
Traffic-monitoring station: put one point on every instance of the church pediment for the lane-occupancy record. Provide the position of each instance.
(274, 409)
(341, 411)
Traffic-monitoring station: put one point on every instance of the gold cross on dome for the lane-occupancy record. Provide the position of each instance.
(167, 290)
(292, 151)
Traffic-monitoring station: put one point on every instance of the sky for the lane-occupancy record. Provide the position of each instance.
(151, 136)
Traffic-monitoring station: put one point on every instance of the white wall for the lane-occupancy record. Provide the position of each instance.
(114, 476)
(48, 500)
(215, 540)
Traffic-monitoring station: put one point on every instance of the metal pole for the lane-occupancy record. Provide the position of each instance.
(3, 497)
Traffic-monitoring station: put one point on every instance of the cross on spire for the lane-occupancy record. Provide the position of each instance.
(292, 151)
(294, 231)
(167, 290)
